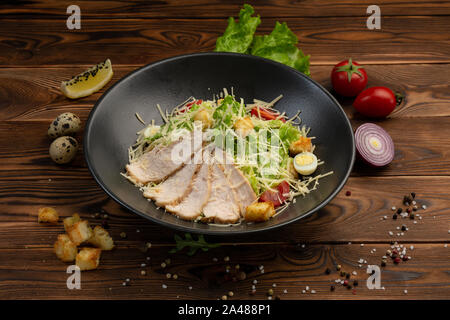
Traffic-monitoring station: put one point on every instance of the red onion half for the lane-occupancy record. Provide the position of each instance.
(374, 145)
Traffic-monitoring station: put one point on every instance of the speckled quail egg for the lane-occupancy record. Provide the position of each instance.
(65, 124)
(305, 163)
(63, 149)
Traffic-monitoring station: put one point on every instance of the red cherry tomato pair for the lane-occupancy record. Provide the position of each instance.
(276, 197)
(349, 79)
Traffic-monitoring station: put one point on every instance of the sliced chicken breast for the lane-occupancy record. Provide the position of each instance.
(159, 163)
(191, 206)
(222, 206)
(242, 188)
(174, 188)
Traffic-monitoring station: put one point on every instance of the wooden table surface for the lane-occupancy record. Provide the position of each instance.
(410, 54)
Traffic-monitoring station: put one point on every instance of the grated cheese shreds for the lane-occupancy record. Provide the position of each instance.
(257, 172)
(140, 118)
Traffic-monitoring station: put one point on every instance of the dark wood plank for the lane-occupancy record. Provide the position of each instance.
(36, 273)
(216, 8)
(35, 42)
(358, 218)
(30, 94)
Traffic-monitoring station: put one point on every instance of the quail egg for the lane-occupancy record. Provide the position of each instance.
(305, 163)
(63, 149)
(65, 124)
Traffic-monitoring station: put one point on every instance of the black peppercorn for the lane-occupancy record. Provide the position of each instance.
(407, 199)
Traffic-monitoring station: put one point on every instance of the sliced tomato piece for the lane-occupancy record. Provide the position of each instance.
(266, 114)
(276, 197)
(283, 189)
(270, 196)
(190, 104)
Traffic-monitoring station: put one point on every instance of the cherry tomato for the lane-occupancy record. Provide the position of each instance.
(276, 197)
(375, 102)
(266, 114)
(348, 78)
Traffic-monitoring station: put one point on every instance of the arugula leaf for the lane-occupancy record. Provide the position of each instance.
(280, 45)
(193, 245)
(238, 36)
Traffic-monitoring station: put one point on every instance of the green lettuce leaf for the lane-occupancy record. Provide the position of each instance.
(280, 46)
(226, 110)
(239, 36)
(288, 133)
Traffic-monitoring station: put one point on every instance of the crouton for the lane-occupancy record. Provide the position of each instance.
(301, 145)
(244, 126)
(68, 222)
(101, 239)
(259, 211)
(205, 116)
(48, 215)
(88, 258)
(65, 249)
(291, 169)
(79, 232)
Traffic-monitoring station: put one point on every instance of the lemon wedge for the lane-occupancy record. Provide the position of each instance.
(89, 81)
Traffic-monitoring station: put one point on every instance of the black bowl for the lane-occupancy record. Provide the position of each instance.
(112, 125)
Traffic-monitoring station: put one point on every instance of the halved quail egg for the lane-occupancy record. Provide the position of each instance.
(305, 163)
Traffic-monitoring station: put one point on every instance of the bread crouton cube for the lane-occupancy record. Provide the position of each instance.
(244, 126)
(48, 215)
(65, 249)
(88, 258)
(79, 232)
(205, 116)
(301, 145)
(68, 222)
(259, 211)
(101, 239)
